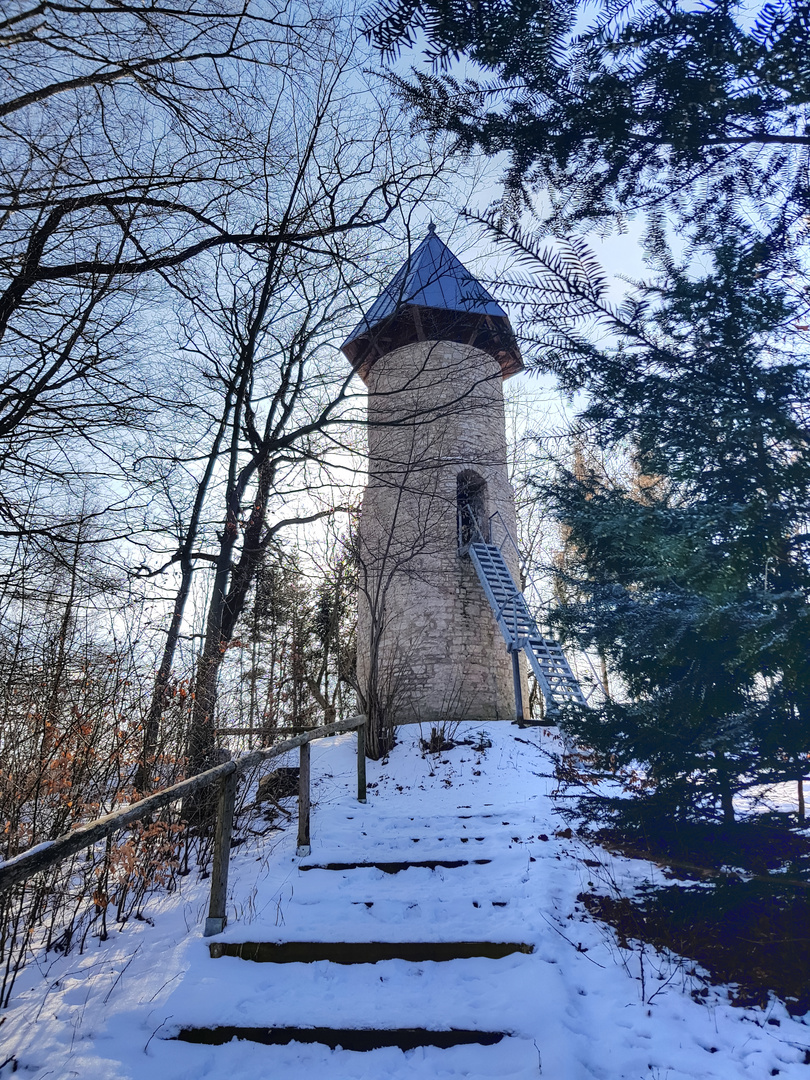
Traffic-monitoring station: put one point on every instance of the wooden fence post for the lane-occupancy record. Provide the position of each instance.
(304, 847)
(217, 918)
(361, 763)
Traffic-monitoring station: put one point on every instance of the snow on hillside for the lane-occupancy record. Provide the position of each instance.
(574, 1008)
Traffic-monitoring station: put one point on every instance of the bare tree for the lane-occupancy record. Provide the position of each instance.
(180, 180)
(137, 142)
(278, 394)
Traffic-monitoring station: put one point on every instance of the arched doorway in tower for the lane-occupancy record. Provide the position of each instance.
(471, 508)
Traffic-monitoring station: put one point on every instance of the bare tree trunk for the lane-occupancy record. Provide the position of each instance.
(224, 609)
(51, 711)
(159, 700)
(726, 795)
(604, 673)
(151, 728)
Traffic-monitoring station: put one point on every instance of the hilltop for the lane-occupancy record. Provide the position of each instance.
(500, 870)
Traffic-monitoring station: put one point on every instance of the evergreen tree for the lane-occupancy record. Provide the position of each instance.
(618, 106)
(695, 584)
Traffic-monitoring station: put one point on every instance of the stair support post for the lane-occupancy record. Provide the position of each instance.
(304, 847)
(217, 917)
(519, 715)
(361, 763)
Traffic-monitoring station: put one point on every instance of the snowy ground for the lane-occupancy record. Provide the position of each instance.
(575, 1008)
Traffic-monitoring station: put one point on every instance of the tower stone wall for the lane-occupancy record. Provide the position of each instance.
(427, 639)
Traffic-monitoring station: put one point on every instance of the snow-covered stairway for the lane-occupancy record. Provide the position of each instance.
(376, 973)
(461, 847)
(402, 934)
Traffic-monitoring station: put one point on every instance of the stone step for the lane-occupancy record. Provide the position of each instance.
(396, 867)
(366, 913)
(475, 903)
(476, 992)
(435, 821)
(357, 1039)
(365, 952)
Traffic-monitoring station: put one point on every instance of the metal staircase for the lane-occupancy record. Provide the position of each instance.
(558, 684)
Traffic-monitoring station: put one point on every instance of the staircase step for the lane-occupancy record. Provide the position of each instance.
(365, 952)
(358, 1039)
(396, 867)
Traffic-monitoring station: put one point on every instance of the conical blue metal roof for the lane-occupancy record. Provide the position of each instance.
(432, 296)
(434, 278)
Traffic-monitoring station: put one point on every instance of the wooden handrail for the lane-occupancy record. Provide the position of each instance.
(51, 852)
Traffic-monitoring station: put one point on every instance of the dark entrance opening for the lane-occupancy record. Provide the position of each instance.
(471, 506)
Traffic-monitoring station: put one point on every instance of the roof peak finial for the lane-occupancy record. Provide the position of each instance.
(431, 227)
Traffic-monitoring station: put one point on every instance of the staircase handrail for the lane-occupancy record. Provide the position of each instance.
(52, 852)
(507, 536)
(530, 584)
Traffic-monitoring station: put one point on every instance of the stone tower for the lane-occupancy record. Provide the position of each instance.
(433, 351)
